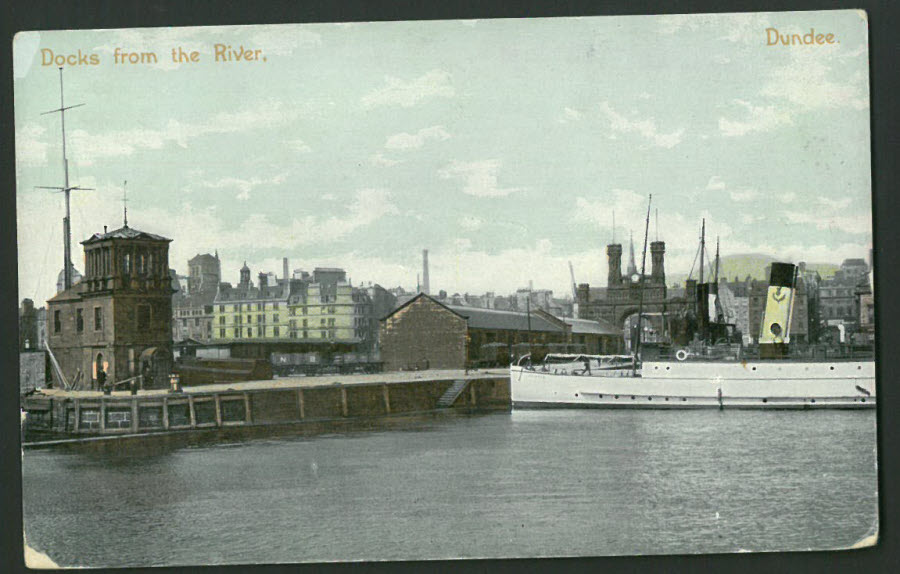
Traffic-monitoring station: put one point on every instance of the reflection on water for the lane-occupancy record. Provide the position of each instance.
(530, 483)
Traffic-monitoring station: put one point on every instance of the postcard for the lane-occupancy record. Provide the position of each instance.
(453, 289)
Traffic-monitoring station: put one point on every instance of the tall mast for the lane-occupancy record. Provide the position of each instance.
(641, 300)
(125, 201)
(702, 248)
(67, 231)
(716, 276)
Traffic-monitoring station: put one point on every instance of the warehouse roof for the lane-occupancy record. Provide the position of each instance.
(586, 326)
(504, 320)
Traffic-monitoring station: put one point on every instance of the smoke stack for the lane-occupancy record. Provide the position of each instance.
(426, 288)
(287, 278)
(285, 268)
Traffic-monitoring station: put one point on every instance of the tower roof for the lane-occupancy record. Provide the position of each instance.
(124, 233)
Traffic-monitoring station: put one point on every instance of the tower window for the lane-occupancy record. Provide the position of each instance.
(98, 318)
(79, 320)
(57, 322)
(143, 317)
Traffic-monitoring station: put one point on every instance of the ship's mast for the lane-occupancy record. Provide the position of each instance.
(637, 345)
(67, 230)
(702, 249)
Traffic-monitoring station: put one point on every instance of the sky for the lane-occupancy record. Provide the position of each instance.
(502, 146)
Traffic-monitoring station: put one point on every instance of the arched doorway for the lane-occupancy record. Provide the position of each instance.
(99, 366)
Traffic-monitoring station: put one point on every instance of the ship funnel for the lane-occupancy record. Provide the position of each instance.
(775, 331)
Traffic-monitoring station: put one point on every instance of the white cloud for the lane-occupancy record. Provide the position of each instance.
(570, 115)
(244, 185)
(758, 119)
(243, 196)
(836, 203)
(750, 218)
(857, 224)
(678, 231)
(788, 197)
(737, 27)
(743, 195)
(480, 178)
(412, 141)
(85, 147)
(436, 83)
(805, 82)
(715, 183)
(298, 145)
(470, 222)
(31, 150)
(380, 159)
(644, 127)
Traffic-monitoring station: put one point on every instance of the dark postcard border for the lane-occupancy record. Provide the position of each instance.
(884, 21)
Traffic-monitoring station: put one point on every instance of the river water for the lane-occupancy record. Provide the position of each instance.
(521, 484)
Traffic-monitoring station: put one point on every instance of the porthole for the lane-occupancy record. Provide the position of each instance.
(667, 398)
(655, 368)
(812, 400)
(617, 396)
(667, 368)
(859, 367)
(632, 397)
(863, 400)
(601, 396)
(649, 398)
(684, 399)
(765, 400)
(832, 368)
(754, 368)
(576, 394)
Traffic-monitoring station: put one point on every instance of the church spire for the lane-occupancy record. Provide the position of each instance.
(632, 266)
(125, 201)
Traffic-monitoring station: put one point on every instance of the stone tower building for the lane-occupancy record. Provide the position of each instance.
(119, 317)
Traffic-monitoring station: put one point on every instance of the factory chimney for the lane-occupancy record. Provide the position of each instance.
(426, 288)
(286, 286)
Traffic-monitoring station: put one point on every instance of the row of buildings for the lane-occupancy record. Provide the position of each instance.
(131, 314)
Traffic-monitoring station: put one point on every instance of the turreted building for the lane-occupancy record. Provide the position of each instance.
(119, 317)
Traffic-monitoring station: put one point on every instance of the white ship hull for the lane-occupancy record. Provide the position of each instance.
(704, 384)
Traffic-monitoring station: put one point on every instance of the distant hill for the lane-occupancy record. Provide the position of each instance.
(753, 264)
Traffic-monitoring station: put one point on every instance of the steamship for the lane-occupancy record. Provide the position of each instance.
(706, 375)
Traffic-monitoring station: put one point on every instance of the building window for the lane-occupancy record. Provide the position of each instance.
(79, 320)
(275, 318)
(306, 334)
(259, 307)
(324, 334)
(249, 332)
(126, 264)
(239, 332)
(304, 310)
(221, 308)
(259, 318)
(221, 333)
(249, 318)
(276, 331)
(305, 323)
(57, 323)
(196, 322)
(143, 317)
(98, 318)
(221, 320)
(275, 306)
